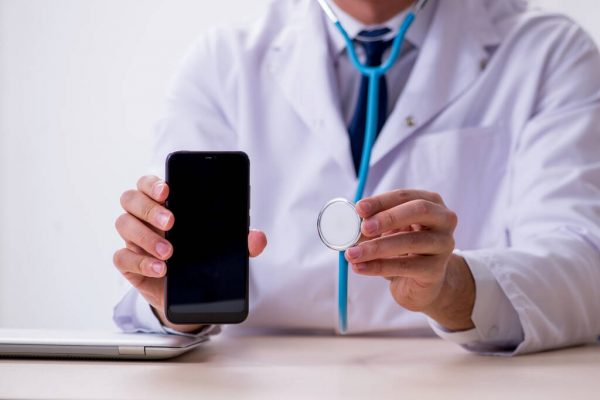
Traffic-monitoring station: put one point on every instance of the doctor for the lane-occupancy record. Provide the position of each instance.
(483, 199)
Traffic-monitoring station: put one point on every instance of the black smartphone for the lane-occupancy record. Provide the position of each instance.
(207, 276)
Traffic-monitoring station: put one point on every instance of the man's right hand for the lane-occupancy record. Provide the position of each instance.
(143, 227)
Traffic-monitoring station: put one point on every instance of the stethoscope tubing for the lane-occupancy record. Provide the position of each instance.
(382, 69)
(374, 74)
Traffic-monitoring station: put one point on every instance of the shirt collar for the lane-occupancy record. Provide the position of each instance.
(415, 35)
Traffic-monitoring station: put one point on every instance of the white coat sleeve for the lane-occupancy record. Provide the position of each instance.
(133, 314)
(550, 270)
(494, 331)
(194, 120)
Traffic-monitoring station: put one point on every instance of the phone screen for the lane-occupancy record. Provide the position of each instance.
(207, 276)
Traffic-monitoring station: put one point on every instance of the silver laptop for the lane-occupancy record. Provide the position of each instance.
(26, 343)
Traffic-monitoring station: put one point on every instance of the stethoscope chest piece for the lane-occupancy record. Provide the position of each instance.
(339, 224)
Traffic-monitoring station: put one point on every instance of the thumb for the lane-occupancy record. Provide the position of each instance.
(257, 241)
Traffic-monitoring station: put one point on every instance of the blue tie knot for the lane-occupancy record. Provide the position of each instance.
(374, 45)
(373, 34)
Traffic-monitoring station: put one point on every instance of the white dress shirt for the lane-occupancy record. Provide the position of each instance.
(510, 146)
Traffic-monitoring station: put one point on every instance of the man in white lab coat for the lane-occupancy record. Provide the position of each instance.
(483, 208)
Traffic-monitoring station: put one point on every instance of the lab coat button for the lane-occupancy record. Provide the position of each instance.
(410, 121)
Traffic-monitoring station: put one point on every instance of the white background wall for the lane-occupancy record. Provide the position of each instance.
(81, 85)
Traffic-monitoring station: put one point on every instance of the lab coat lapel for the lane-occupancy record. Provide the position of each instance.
(451, 59)
(301, 65)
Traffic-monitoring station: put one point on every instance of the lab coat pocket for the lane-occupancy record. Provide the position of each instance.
(467, 168)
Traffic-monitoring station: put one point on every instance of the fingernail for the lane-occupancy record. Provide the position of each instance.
(371, 226)
(163, 219)
(360, 267)
(158, 267)
(162, 249)
(158, 188)
(354, 252)
(365, 206)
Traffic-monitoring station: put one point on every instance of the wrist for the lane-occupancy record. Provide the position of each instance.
(453, 307)
(195, 328)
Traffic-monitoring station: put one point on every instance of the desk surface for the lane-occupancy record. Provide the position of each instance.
(291, 367)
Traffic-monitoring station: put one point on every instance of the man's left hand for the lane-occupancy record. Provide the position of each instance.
(408, 238)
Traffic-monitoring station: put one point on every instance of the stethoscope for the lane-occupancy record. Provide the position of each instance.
(338, 223)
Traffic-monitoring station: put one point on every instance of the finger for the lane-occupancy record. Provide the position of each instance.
(146, 209)
(127, 261)
(153, 187)
(135, 248)
(133, 230)
(409, 228)
(257, 241)
(424, 268)
(373, 205)
(421, 212)
(420, 242)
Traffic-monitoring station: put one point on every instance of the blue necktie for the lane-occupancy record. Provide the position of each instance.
(374, 49)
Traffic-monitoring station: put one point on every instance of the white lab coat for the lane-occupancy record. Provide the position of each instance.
(501, 116)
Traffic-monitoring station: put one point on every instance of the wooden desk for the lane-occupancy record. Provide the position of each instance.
(272, 367)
